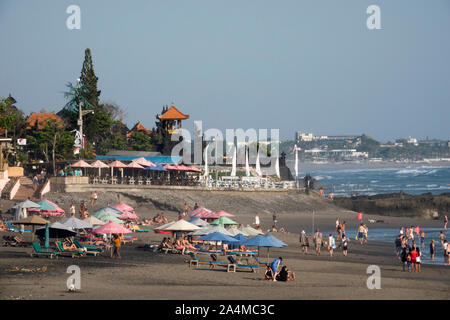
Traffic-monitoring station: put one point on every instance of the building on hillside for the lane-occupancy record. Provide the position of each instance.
(37, 121)
(138, 127)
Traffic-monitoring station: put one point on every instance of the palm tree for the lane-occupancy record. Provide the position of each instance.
(76, 95)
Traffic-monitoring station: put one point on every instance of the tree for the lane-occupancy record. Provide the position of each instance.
(89, 79)
(139, 141)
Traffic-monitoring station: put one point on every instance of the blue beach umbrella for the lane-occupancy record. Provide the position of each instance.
(217, 236)
(240, 238)
(268, 241)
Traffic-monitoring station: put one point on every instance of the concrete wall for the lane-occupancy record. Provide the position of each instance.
(15, 171)
(14, 190)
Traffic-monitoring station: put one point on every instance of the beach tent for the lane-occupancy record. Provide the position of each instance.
(248, 230)
(56, 230)
(198, 222)
(76, 224)
(21, 208)
(94, 221)
(111, 228)
(223, 221)
(182, 226)
(47, 208)
(211, 229)
(122, 206)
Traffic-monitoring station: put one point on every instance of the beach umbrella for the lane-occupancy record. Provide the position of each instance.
(56, 230)
(110, 210)
(221, 213)
(32, 220)
(165, 225)
(100, 165)
(182, 226)
(105, 217)
(111, 228)
(217, 236)
(76, 224)
(250, 231)
(264, 241)
(81, 164)
(116, 164)
(21, 208)
(128, 216)
(134, 165)
(211, 229)
(204, 213)
(94, 221)
(144, 162)
(240, 238)
(233, 162)
(195, 211)
(122, 206)
(198, 222)
(194, 169)
(223, 221)
(48, 208)
(235, 231)
(157, 167)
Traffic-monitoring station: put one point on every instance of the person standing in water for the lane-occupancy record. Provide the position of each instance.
(422, 238)
(432, 249)
(344, 245)
(331, 244)
(361, 231)
(445, 223)
(317, 241)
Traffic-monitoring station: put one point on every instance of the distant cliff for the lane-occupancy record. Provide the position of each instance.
(399, 204)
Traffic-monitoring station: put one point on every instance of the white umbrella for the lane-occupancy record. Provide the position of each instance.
(208, 230)
(233, 164)
(76, 224)
(94, 221)
(236, 231)
(250, 231)
(181, 225)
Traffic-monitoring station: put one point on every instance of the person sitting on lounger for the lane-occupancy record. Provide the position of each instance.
(188, 245)
(2, 226)
(69, 245)
(179, 246)
(225, 247)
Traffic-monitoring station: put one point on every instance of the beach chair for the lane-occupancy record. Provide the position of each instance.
(259, 262)
(91, 249)
(69, 253)
(37, 251)
(212, 263)
(252, 267)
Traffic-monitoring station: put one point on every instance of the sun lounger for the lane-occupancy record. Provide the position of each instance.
(252, 267)
(37, 251)
(90, 249)
(69, 253)
(259, 262)
(11, 228)
(242, 253)
(212, 263)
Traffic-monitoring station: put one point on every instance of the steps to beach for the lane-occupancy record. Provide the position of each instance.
(25, 190)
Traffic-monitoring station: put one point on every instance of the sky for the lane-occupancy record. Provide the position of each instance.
(294, 65)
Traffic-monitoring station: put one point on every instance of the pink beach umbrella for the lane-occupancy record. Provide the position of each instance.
(100, 165)
(128, 216)
(144, 162)
(219, 214)
(116, 164)
(111, 228)
(122, 206)
(81, 164)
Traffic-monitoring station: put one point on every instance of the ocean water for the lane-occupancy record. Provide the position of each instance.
(360, 181)
(389, 235)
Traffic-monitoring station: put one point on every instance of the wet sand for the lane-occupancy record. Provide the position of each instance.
(148, 275)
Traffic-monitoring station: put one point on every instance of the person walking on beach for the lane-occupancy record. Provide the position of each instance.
(361, 231)
(404, 258)
(116, 243)
(422, 238)
(185, 209)
(398, 245)
(366, 230)
(432, 249)
(72, 210)
(317, 241)
(414, 254)
(331, 244)
(304, 242)
(344, 245)
(257, 222)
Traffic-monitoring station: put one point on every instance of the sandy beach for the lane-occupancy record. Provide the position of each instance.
(148, 275)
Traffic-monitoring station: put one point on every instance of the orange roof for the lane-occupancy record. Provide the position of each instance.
(173, 114)
(38, 120)
(138, 127)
